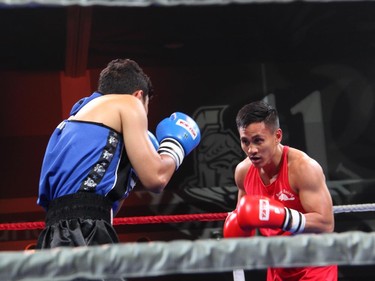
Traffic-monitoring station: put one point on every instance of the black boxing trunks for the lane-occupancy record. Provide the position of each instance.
(80, 219)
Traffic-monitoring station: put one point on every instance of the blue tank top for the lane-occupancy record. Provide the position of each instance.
(85, 156)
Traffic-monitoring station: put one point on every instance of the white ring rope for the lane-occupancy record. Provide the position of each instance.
(370, 207)
(183, 257)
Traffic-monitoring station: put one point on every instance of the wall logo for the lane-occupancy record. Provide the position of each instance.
(215, 159)
(218, 152)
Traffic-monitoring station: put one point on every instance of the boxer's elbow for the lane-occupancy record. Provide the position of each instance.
(330, 227)
(156, 183)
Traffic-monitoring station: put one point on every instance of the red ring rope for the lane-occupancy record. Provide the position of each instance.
(128, 220)
(179, 218)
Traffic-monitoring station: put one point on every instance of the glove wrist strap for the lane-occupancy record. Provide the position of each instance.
(294, 221)
(172, 148)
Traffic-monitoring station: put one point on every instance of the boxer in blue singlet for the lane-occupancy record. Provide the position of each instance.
(94, 158)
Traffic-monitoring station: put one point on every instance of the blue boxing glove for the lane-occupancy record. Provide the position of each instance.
(154, 141)
(178, 135)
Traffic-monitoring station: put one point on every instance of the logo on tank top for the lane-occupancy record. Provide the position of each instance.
(285, 195)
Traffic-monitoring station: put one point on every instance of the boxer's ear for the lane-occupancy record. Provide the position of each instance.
(139, 94)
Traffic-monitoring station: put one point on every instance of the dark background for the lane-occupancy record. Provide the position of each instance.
(313, 61)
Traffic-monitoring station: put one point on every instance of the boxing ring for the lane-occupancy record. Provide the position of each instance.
(135, 260)
(157, 258)
(185, 257)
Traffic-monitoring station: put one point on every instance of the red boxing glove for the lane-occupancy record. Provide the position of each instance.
(256, 212)
(232, 228)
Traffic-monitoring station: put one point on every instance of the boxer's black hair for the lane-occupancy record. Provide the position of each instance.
(124, 76)
(255, 112)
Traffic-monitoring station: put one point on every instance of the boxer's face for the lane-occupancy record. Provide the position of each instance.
(259, 143)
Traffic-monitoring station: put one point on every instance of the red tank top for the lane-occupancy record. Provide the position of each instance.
(280, 190)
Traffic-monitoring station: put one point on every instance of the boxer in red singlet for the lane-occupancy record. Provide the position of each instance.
(281, 190)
